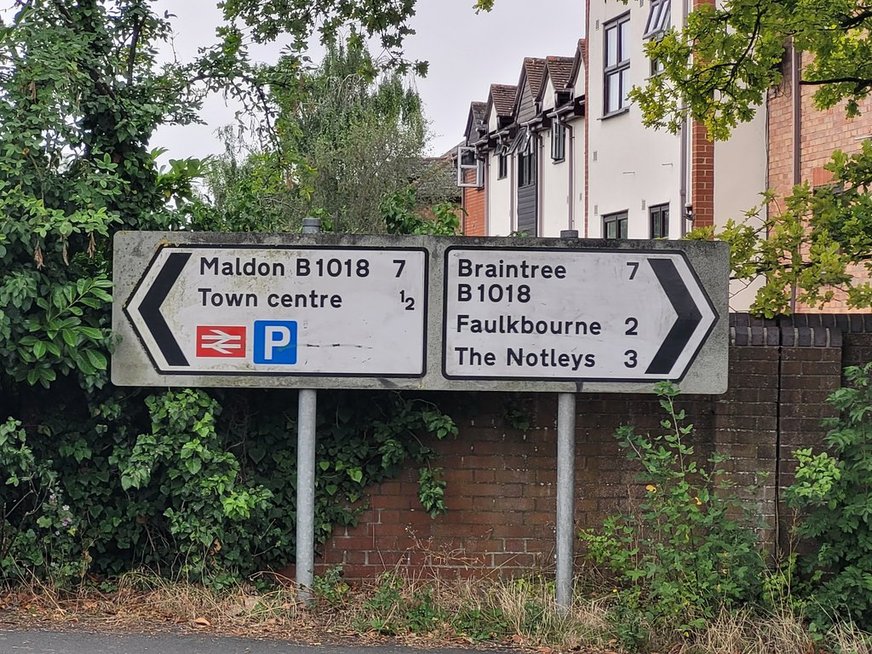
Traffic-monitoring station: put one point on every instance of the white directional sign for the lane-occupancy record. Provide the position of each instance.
(198, 309)
(283, 310)
(571, 314)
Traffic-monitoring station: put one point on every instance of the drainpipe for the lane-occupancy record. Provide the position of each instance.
(540, 185)
(684, 136)
(571, 172)
(513, 221)
(487, 191)
(796, 102)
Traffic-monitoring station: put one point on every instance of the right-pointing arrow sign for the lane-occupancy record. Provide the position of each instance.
(687, 319)
(598, 314)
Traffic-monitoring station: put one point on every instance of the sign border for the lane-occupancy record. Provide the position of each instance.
(254, 373)
(644, 380)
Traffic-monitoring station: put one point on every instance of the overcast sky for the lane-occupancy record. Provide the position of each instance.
(467, 52)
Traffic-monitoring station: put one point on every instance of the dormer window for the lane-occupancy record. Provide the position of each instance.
(469, 168)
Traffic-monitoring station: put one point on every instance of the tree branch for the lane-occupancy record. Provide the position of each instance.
(134, 41)
(863, 82)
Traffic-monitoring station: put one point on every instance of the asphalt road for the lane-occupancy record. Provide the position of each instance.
(53, 642)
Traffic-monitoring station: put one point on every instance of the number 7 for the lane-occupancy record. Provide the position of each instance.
(401, 263)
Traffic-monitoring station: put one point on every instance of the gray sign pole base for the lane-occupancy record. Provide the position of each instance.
(565, 497)
(306, 420)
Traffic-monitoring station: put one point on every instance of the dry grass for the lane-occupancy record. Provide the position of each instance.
(419, 610)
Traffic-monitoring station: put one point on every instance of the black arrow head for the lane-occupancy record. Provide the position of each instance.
(149, 308)
(686, 322)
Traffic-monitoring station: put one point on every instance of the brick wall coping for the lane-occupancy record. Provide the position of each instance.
(771, 336)
(854, 323)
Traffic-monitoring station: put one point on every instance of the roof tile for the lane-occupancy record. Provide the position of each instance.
(560, 70)
(503, 96)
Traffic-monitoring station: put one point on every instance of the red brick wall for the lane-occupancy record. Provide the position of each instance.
(501, 480)
(702, 176)
(821, 132)
(702, 165)
(474, 223)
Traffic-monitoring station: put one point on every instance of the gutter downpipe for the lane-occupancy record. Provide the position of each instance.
(540, 185)
(685, 146)
(571, 172)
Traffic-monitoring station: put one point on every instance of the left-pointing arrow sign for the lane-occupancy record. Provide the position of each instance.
(149, 309)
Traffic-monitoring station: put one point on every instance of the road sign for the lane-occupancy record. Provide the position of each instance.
(282, 310)
(418, 312)
(572, 314)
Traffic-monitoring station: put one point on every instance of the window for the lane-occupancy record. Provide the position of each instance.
(617, 64)
(615, 225)
(558, 141)
(469, 168)
(659, 220)
(658, 17)
(526, 162)
(658, 22)
(502, 164)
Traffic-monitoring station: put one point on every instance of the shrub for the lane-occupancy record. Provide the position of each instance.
(682, 554)
(833, 490)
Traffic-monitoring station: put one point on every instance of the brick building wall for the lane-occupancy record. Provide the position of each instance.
(502, 480)
(820, 133)
(702, 178)
(474, 218)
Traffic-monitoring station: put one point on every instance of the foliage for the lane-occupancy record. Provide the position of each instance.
(397, 607)
(39, 531)
(400, 215)
(345, 139)
(832, 490)
(101, 480)
(717, 70)
(387, 21)
(81, 95)
(683, 555)
(805, 249)
(331, 587)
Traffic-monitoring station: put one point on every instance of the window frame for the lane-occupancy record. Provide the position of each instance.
(527, 163)
(502, 163)
(620, 218)
(618, 70)
(658, 216)
(658, 22)
(558, 141)
(463, 153)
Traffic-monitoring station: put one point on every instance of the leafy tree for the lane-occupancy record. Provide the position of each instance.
(102, 479)
(717, 70)
(345, 137)
(81, 95)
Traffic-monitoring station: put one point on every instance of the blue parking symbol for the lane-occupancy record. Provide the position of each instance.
(275, 341)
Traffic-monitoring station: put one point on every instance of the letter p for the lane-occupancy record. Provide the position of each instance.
(275, 342)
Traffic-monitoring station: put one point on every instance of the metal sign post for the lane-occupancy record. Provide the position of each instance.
(306, 421)
(565, 518)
